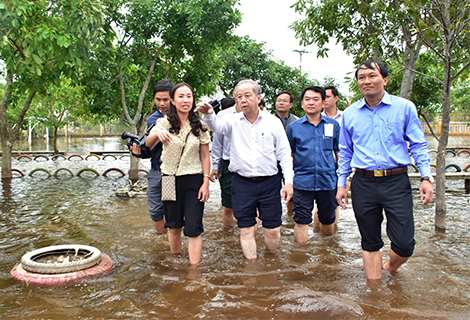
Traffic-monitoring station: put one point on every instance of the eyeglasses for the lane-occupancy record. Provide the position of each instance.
(285, 101)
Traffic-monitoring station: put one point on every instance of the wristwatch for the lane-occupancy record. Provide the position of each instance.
(428, 178)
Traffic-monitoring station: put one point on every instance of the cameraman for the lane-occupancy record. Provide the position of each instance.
(161, 96)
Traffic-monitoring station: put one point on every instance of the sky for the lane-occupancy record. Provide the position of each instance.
(268, 21)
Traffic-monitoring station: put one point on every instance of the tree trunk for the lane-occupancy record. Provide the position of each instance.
(410, 57)
(54, 143)
(441, 206)
(7, 148)
(134, 169)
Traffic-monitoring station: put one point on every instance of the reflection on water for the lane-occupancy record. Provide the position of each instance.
(322, 279)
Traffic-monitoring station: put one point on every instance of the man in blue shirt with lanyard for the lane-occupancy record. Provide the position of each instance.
(314, 140)
(375, 135)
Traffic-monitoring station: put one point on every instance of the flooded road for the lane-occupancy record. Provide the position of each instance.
(322, 279)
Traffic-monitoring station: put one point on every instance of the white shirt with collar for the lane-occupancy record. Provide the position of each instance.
(220, 143)
(255, 148)
(338, 117)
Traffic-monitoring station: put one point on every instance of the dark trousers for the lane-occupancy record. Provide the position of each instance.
(392, 194)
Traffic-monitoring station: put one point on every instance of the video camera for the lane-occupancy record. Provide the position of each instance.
(216, 105)
(146, 152)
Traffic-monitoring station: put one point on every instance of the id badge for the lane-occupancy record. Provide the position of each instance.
(329, 130)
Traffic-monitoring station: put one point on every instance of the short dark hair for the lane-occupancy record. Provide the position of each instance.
(371, 64)
(333, 89)
(286, 92)
(163, 85)
(318, 89)
(235, 84)
(262, 103)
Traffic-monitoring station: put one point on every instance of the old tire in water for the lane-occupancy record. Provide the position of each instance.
(462, 151)
(56, 173)
(453, 165)
(57, 156)
(41, 156)
(454, 154)
(92, 155)
(75, 156)
(32, 261)
(30, 278)
(24, 156)
(87, 169)
(39, 169)
(19, 171)
(114, 169)
(110, 155)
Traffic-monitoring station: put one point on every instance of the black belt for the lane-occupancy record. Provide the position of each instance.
(383, 173)
(255, 179)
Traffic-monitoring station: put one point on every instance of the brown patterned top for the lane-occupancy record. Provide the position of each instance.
(191, 159)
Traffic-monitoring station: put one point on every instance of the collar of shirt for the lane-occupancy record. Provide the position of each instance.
(241, 116)
(284, 119)
(339, 113)
(386, 99)
(305, 119)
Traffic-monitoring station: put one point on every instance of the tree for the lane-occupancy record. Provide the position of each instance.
(444, 27)
(399, 28)
(153, 40)
(366, 29)
(41, 41)
(244, 57)
(58, 105)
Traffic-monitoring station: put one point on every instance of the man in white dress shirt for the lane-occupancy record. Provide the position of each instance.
(258, 141)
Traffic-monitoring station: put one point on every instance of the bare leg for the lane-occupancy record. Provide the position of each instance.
(194, 250)
(175, 240)
(327, 229)
(227, 217)
(316, 221)
(248, 242)
(257, 220)
(290, 206)
(272, 238)
(395, 261)
(372, 264)
(160, 226)
(300, 232)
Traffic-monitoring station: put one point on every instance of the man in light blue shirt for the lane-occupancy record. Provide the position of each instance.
(375, 135)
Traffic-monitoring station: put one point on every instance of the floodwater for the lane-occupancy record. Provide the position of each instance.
(323, 279)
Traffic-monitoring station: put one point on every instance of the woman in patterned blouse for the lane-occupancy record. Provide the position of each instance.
(186, 155)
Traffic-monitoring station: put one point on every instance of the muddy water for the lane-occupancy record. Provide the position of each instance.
(322, 279)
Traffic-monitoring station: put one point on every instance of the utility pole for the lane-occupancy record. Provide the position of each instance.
(300, 52)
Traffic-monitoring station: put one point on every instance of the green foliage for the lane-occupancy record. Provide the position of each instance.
(427, 88)
(44, 40)
(343, 99)
(59, 105)
(365, 29)
(40, 42)
(152, 40)
(244, 57)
